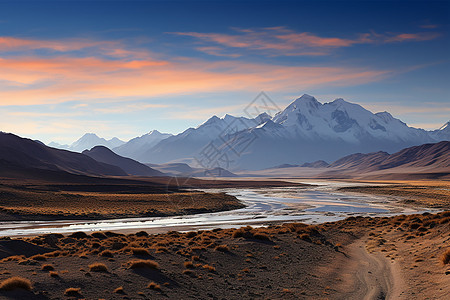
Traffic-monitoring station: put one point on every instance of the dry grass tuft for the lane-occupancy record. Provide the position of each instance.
(140, 251)
(72, 292)
(154, 286)
(54, 274)
(47, 267)
(209, 268)
(38, 257)
(15, 283)
(446, 257)
(106, 253)
(119, 290)
(188, 265)
(98, 267)
(143, 264)
(222, 248)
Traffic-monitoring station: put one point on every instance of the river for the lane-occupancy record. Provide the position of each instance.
(314, 204)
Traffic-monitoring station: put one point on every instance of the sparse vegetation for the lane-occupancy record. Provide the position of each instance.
(98, 267)
(143, 264)
(72, 292)
(154, 286)
(15, 283)
(446, 257)
(47, 267)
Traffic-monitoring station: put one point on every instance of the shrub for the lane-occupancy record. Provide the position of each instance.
(305, 237)
(119, 290)
(54, 274)
(47, 267)
(446, 257)
(209, 268)
(106, 253)
(261, 236)
(154, 286)
(98, 267)
(147, 264)
(72, 292)
(222, 248)
(188, 265)
(140, 251)
(38, 257)
(15, 283)
(98, 235)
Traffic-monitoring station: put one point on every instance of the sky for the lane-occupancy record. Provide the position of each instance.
(125, 68)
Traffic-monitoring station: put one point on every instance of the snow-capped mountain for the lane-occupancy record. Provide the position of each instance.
(442, 133)
(88, 141)
(188, 143)
(306, 130)
(136, 147)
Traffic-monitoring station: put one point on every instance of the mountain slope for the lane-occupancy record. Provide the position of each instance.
(308, 130)
(25, 153)
(135, 148)
(130, 166)
(189, 143)
(88, 141)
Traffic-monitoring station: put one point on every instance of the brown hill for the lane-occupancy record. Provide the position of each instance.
(17, 153)
(132, 167)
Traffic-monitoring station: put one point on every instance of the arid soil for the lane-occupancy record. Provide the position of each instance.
(426, 193)
(82, 197)
(357, 258)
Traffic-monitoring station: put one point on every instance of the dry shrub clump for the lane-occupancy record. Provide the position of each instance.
(446, 257)
(54, 274)
(188, 265)
(154, 286)
(38, 257)
(140, 251)
(106, 253)
(143, 264)
(222, 248)
(209, 268)
(15, 283)
(47, 267)
(119, 290)
(98, 267)
(72, 292)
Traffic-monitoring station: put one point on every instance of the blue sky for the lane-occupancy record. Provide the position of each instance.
(125, 68)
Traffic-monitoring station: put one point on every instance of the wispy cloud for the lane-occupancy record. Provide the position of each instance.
(56, 80)
(284, 41)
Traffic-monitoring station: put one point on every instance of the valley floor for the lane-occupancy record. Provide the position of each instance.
(358, 258)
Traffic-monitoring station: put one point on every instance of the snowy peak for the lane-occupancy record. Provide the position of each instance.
(88, 141)
(445, 127)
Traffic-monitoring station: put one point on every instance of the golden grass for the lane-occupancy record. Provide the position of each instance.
(109, 205)
(446, 257)
(143, 264)
(15, 283)
(154, 286)
(140, 251)
(48, 267)
(72, 292)
(209, 268)
(98, 267)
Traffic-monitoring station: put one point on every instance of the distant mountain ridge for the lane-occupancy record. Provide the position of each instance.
(88, 141)
(130, 166)
(305, 131)
(25, 153)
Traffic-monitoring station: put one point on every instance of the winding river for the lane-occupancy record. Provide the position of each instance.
(318, 203)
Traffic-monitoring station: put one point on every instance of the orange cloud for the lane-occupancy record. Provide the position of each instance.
(54, 80)
(283, 41)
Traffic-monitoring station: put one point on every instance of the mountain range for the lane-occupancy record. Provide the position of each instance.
(88, 141)
(306, 130)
